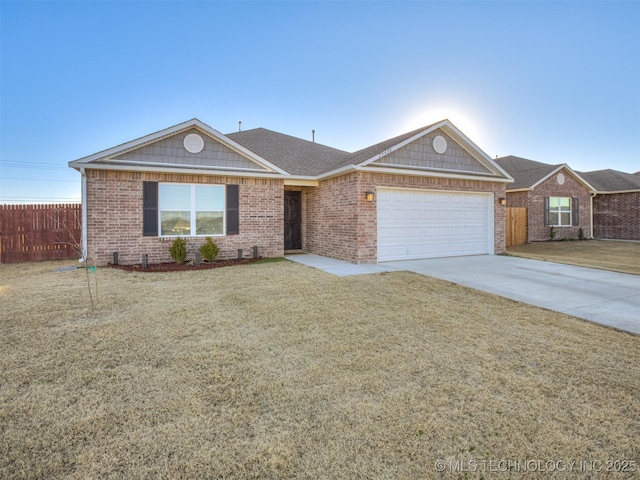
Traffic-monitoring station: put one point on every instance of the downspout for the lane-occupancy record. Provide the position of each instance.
(83, 199)
(591, 214)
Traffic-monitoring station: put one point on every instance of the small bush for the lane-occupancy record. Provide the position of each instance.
(580, 234)
(209, 250)
(552, 232)
(178, 250)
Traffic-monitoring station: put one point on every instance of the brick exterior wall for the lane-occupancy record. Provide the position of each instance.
(343, 225)
(534, 200)
(332, 216)
(337, 221)
(114, 221)
(617, 216)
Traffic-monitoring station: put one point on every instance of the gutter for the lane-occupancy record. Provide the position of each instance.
(83, 199)
(593, 194)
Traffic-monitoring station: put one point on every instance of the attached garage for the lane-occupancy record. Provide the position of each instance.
(415, 224)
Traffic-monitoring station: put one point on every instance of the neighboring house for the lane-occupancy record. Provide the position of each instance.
(428, 193)
(616, 206)
(554, 195)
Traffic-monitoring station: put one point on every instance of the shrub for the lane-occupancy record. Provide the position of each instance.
(178, 250)
(552, 232)
(580, 234)
(209, 250)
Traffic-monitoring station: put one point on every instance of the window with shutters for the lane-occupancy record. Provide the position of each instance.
(191, 210)
(559, 211)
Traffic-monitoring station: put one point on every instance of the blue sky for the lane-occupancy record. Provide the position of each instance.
(557, 82)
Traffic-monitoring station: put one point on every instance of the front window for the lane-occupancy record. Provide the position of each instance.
(191, 210)
(560, 211)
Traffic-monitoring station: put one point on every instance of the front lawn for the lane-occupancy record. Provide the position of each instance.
(611, 255)
(277, 370)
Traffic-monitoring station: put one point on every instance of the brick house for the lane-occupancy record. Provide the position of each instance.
(554, 195)
(616, 205)
(428, 193)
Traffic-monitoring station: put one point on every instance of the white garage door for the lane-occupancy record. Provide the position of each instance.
(424, 224)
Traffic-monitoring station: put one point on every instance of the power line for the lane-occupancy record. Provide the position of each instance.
(38, 179)
(45, 199)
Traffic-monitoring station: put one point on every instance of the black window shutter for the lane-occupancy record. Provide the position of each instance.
(546, 211)
(575, 212)
(233, 210)
(150, 209)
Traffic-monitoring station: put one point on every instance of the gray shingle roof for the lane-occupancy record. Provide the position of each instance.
(612, 180)
(295, 155)
(525, 173)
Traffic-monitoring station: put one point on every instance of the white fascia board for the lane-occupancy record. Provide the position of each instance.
(431, 173)
(615, 192)
(518, 190)
(570, 171)
(171, 166)
(167, 132)
(337, 172)
(301, 182)
(184, 170)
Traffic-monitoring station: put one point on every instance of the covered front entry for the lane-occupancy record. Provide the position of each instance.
(415, 224)
(292, 220)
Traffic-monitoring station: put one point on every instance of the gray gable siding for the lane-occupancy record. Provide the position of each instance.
(171, 151)
(421, 154)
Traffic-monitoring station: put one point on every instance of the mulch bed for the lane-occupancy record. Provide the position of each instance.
(181, 267)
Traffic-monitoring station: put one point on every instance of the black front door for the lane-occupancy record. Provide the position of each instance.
(292, 220)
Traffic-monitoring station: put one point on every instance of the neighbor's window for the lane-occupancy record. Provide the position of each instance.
(559, 212)
(190, 210)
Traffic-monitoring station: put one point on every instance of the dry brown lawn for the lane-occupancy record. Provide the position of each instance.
(277, 370)
(621, 257)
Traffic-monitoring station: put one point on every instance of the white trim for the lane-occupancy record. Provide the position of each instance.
(301, 183)
(429, 173)
(83, 199)
(600, 192)
(178, 165)
(429, 169)
(191, 171)
(193, 211)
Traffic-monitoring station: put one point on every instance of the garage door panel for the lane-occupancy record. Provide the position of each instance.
(421, 224)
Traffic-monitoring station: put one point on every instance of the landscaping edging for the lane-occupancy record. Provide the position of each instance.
(182, 267)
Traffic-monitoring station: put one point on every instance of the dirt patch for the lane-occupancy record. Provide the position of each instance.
(615, 256)
(277, 370)
(182, 267)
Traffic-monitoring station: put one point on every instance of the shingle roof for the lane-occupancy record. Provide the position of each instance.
(295, 155)
(612, 180)
(525, 173)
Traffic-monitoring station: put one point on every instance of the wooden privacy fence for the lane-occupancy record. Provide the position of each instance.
(30, 233)
(516, 226)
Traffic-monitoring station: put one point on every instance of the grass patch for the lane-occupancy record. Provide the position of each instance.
(282, 371)
(615, 256)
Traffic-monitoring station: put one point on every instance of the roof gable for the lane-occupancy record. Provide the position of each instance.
(167, 149)
(421, 154)
(415, 151)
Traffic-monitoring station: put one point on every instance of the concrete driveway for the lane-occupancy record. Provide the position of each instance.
(600, 296)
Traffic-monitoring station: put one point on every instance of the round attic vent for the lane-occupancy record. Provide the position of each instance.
(193, 143)
(439, 144)
(560, 179)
